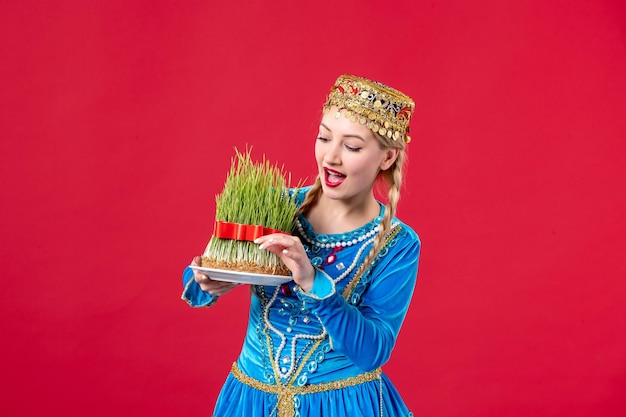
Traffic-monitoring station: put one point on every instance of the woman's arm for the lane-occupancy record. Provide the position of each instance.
(367, 333)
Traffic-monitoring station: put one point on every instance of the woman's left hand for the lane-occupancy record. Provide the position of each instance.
(292, 253)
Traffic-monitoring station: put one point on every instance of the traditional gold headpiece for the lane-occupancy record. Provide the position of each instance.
(384, 110)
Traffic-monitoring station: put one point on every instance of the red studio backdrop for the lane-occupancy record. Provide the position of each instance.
(118, 120)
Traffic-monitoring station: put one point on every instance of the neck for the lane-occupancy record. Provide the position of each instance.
(341, 216)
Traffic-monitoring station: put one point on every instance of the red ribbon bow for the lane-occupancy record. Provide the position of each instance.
(238, 231)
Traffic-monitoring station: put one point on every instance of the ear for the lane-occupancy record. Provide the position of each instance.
(391, 154)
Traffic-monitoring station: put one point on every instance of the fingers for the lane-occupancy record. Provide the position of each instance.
(200, 278)
(287, 247)
(217, 288)
(291, 251)
(277, 242)
(208, 285)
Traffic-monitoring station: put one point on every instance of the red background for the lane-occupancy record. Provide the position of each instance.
(118, 121)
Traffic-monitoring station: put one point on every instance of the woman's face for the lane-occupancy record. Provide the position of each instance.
(349, 158)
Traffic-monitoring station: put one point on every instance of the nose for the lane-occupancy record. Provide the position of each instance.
(333, 154)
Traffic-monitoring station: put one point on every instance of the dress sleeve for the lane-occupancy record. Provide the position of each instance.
(366, 333)
(193, 294)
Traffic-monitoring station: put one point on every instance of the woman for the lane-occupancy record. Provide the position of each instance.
(314, 346)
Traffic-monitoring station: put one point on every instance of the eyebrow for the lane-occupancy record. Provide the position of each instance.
(345, 136)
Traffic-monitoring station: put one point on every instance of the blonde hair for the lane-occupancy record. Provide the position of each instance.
(391, 178)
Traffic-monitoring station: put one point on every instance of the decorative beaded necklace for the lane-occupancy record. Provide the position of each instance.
(331, 245)
(354, 261)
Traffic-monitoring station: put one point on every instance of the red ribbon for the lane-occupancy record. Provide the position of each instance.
(238, 231)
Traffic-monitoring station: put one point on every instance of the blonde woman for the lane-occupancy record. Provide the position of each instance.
(315, 346)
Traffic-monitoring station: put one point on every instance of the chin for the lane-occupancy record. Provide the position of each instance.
(332, 193)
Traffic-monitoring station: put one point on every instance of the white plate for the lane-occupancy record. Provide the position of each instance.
(242, 277)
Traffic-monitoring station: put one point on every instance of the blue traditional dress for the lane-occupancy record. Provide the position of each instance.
(320, 353)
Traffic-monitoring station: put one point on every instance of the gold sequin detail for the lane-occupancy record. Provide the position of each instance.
(388, 108)
(286, 393)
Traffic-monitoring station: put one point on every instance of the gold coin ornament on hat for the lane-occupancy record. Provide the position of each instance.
(382, 109)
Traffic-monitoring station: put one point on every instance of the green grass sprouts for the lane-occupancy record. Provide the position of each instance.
(255, 193)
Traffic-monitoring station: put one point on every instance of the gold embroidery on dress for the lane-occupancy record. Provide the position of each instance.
(286, 393)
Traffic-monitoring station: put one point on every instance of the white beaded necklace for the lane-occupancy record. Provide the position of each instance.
(358, 255)
(343, 244)
(354, 261)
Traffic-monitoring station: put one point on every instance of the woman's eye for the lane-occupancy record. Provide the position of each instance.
(352, 148)
(321, 138)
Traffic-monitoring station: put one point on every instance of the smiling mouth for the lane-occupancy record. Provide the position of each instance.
(333, 178)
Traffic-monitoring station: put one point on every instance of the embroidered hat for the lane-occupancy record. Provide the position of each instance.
(384, 110)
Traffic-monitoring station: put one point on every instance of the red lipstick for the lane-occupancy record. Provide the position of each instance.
(333, 178)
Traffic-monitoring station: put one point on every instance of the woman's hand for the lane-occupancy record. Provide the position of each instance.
(218, 288)
(292, 253)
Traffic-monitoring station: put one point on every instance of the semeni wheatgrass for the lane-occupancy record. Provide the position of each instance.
(255, 193)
